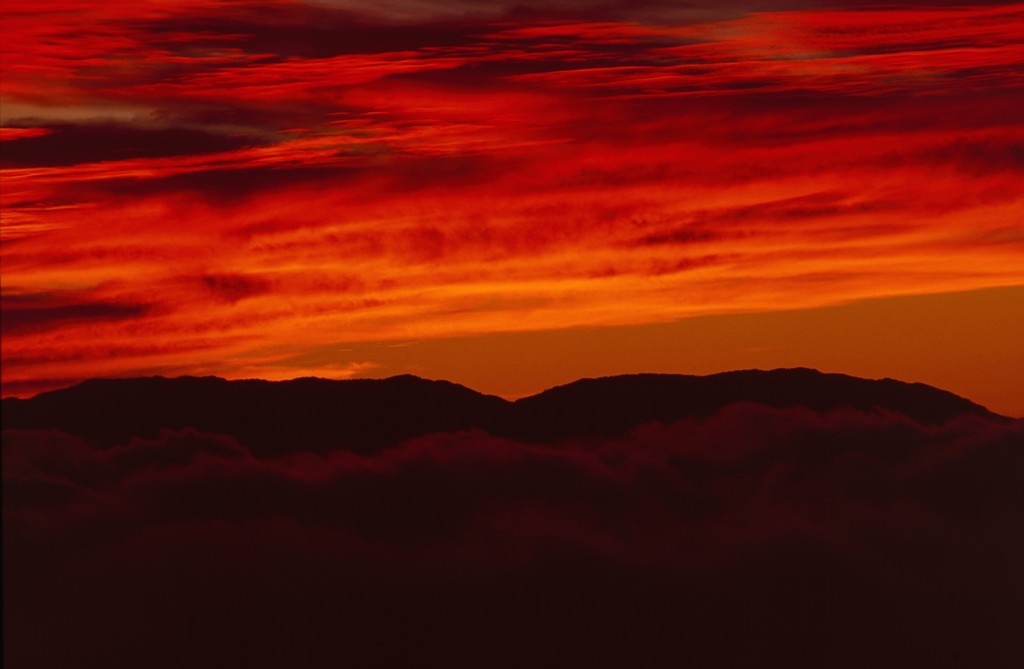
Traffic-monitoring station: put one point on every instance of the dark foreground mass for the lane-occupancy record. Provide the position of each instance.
(752, 519)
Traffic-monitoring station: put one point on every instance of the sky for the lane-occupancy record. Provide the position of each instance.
(512, 194)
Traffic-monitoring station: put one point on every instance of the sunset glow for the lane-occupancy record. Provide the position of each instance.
(276, 189)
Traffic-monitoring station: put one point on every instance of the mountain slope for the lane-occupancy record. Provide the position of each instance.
(612, 405)
(268, 417)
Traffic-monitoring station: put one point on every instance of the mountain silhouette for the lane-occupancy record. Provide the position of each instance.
(364, 415)
(613, 405)
(268, 417)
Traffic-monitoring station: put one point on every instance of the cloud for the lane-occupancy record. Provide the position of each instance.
(301, 30)
(32, 313)
(72, 144)
(863, 531)
(234, 287)
(981, 156)
(486, 170)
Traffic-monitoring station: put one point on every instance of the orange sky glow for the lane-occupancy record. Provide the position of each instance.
(512, 194)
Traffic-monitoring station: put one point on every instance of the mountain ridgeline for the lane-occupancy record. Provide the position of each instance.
(364, 415)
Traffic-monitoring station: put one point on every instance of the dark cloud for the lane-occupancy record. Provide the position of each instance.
(776, 537)
(683, 235)
(978, 157)
(713, 224)
(302, 30)
(71, 144)
(30, 313)
(225, 186)
(234, 287)
(786, 118)
(232, 185)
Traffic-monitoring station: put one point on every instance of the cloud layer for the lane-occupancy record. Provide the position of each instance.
(780, 537)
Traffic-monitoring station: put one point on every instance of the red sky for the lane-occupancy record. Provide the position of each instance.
(513, 194)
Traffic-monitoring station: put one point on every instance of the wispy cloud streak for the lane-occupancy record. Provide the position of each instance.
(289, 175)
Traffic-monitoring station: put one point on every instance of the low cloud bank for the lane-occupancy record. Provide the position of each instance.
(754, 537)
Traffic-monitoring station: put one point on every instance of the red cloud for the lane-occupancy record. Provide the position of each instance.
(564, 167)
